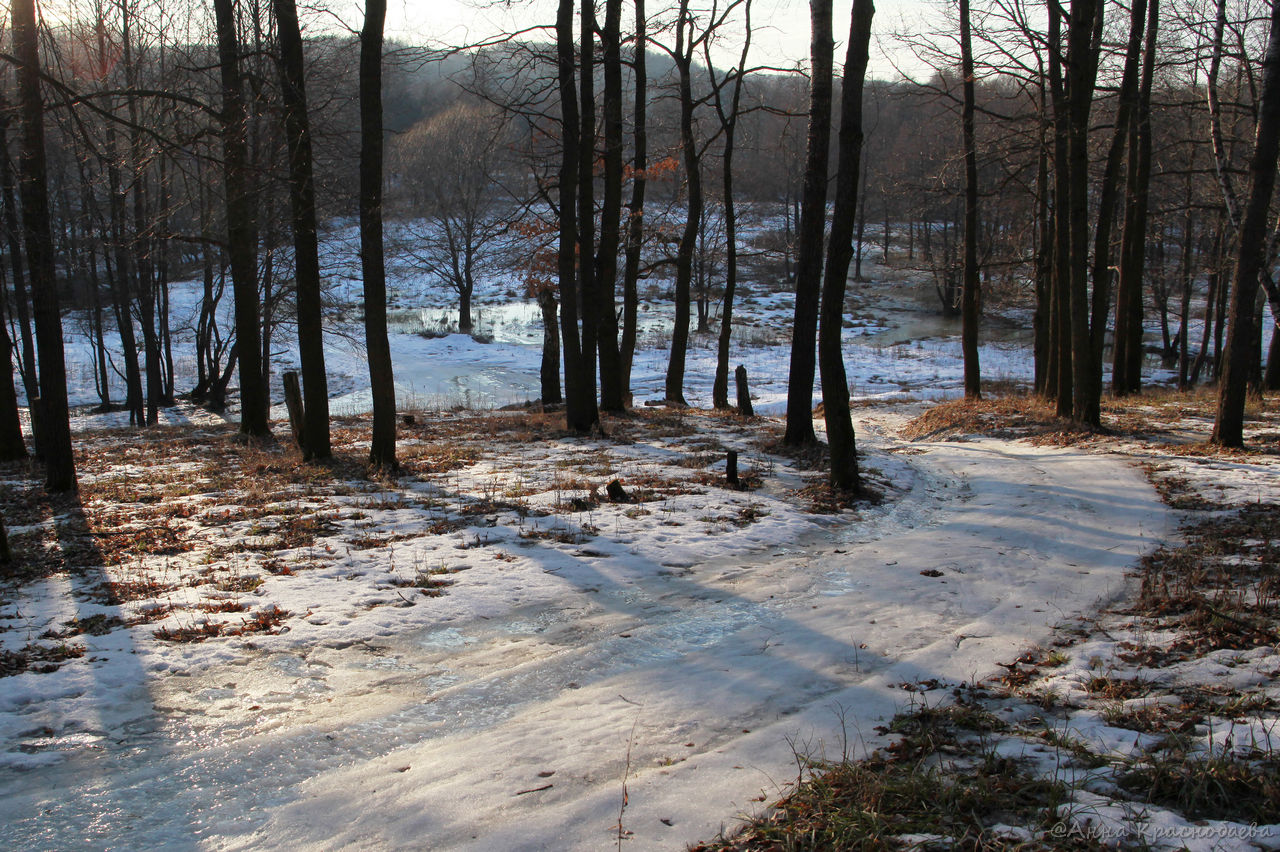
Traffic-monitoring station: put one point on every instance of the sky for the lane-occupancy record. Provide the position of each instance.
(781, 27)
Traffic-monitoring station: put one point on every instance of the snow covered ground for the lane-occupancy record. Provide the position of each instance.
(681, 647)
(486, 654)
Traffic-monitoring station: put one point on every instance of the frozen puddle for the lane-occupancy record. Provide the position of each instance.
(515, 729)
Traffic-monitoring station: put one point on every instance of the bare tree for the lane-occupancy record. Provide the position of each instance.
(12, 446)
(581, 412)
(613, 392)
(729, 115)
(382, 449)
(302, 198)
(241, 228)
(813, 216)
(448, 168)
(51, 408)
(971, 296)
(1228, 429)
(635, 207)
(844, 474)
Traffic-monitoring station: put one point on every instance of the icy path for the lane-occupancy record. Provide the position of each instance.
(514, 730)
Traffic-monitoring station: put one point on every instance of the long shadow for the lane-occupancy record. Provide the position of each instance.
(88, 719)
(231, 788)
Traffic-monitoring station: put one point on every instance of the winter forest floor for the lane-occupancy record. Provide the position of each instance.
(217, 646)
(1149, 724)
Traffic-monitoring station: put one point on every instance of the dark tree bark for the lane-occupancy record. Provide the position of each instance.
(52, 411)
(12, 447)
(550, 366)
(1108, 189)
(635, 209)
(120, 279)
(1044, 255)
(1126, 371)
(1084, 33)
(382, 450)
(12, 231)
(813, 217)
(302, 198)
(1228, 429)
(835, 385)
(612, 390)
(580, 402)
(588, 295)
(141, 244)
(970, 291)
(1059, 367)
(241, 227)
(683, 58)
(729, 127)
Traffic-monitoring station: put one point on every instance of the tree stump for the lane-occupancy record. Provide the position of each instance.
(293, 401)
(617, 494)
(744, 393)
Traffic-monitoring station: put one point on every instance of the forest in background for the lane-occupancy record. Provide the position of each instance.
(1101, 162)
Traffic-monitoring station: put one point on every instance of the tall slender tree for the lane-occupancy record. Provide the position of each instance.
(729, 115)
(241, 228)
(12, 446)
(382, 449)
(1228, 428)
(13, 245)
(635, 207)
(970, 293)
(1126, 376)
(813, 216)
(612, 391)
(1083, 37)
(589, 302)
(686, 43)
(1107, 189)
(53, 414)
(302, 197)
(581, 412)
(841, 443)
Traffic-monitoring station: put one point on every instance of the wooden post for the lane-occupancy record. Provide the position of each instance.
(744, 394)
(731, 467)
(293, 401)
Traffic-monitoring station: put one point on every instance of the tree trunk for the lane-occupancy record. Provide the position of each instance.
(12, 230)
(1059, 367)
(55, 426)
(1108, 189)
(1082, 69)
(550, 373)
(12, 447)
(314, 435)
(812, 220)
(612, 389)
(1126, 371)
(382, 449)
(729, 125)
(580, 403)
(588, 295)
(841, 442)
(635, 209)
(693, 218)
(971, 295)
(241, 227)
(1228, 430)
